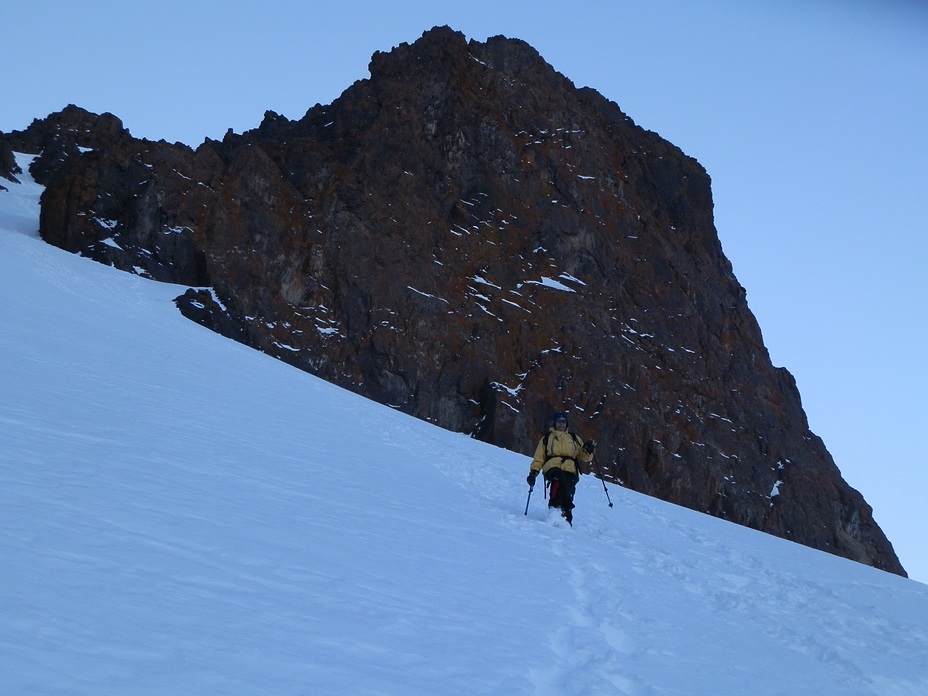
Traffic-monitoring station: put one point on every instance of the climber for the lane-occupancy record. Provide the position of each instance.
(558, 455)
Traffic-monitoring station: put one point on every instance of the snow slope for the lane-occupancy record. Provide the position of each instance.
(182, 515)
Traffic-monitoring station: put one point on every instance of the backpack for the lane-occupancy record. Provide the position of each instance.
(549, 455)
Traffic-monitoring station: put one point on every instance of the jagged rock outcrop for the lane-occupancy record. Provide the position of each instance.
(8, 166)
(471, 239)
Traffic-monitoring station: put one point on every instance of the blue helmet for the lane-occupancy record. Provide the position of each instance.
(560, 415)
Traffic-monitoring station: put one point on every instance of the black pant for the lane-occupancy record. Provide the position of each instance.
(563, 485)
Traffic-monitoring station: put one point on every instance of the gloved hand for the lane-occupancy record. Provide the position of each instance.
(530, 479)
(590, 446)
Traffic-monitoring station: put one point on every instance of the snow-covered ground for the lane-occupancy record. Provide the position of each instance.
(182, 515)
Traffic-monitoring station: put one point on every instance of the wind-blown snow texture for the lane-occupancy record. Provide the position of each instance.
(181, 514)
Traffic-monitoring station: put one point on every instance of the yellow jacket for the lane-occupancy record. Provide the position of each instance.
(563, 451)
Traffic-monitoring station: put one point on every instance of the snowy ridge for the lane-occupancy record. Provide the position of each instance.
(180, 514)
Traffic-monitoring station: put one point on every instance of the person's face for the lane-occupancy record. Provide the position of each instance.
(560, 424)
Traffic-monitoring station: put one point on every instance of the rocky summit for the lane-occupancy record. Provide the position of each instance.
(470, 238)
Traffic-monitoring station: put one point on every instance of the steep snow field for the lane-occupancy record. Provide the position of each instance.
(182, 515)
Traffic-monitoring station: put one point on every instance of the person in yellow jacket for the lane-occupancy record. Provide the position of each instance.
(558, 455)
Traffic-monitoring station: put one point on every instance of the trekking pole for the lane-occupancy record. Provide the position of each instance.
(528, 500)
(600, 469)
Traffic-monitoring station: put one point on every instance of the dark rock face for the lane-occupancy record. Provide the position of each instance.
(8, 166)
(471, 239)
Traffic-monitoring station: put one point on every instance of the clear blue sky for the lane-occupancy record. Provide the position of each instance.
(809, 116)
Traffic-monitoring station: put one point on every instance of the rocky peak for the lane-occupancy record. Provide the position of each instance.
(467, 237)
(61, 137)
